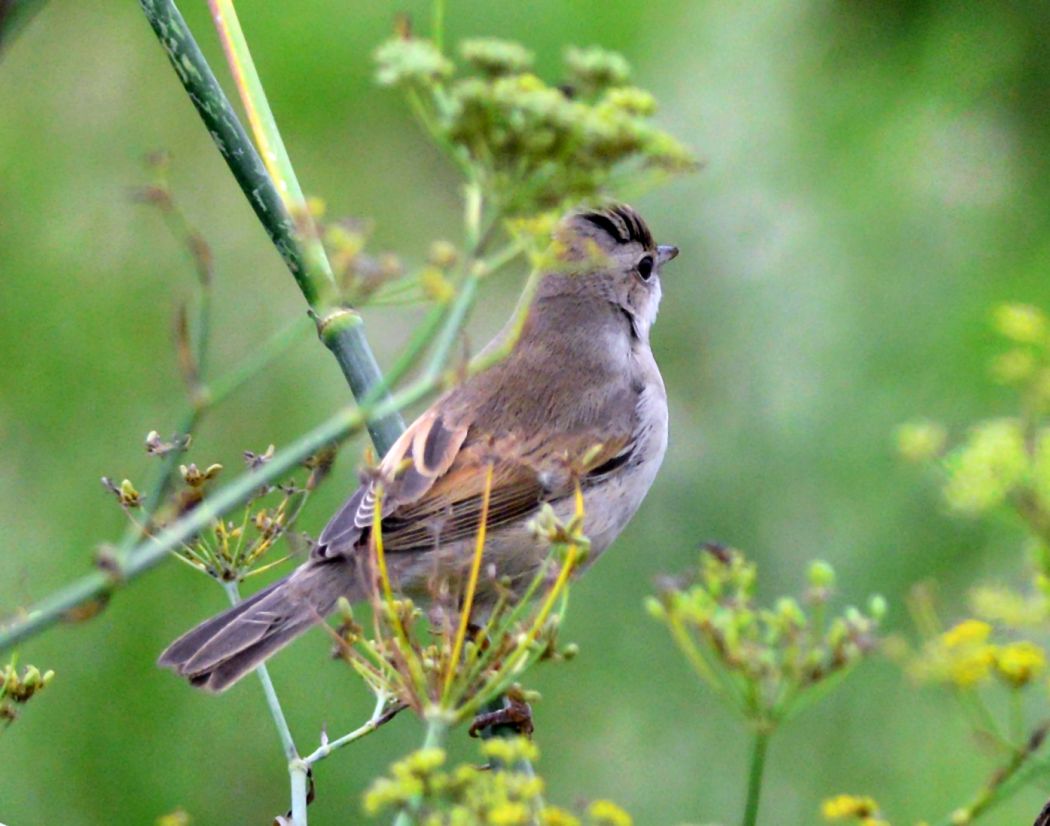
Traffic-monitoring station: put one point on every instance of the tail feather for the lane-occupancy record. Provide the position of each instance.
(221, 650)
(193, 640)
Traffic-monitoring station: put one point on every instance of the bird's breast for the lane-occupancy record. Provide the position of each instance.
(611, 502)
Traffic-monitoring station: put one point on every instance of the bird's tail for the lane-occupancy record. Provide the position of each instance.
(221, 650)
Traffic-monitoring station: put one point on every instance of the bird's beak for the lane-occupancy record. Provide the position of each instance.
(665, 252)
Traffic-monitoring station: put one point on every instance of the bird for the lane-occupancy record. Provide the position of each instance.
(578, 404)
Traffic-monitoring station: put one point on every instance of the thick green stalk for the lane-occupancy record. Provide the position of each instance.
(228, 134)
(268, 138)
(341, 329)
(14, 15)
(755, 774)
(300, 778)
(99, 584)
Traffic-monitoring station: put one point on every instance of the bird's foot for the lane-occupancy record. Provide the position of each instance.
(515, 714)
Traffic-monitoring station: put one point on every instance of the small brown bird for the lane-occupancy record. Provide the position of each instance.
(580, 387)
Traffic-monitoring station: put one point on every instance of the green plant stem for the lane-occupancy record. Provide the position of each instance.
(274, 704)
(255, 362)
(436, 732)
(1006, 781)
(380, 716)
(211, 394)
(341, 329)
(438, 25)
(755, 774)
(299, 773)
(14, 16)
(228, 134)
(147, 553)
(298, 769)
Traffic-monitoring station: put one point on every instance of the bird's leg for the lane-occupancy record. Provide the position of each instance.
(510, 712)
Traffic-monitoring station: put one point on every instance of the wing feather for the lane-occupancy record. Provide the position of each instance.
(422, 454)
(434, 478)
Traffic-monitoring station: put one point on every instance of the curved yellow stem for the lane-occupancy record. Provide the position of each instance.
(472, 583)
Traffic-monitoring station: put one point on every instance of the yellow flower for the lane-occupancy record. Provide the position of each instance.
(983, 471)
(845, 806)
(1020, 662)
(1021, 322)
(966, 632)
(608, 813)
(919, 441)
(510, 751)
(508, 814)
(971, 667)
(176, 818)
(1007, 607)
(555, 816)
(1014, 367)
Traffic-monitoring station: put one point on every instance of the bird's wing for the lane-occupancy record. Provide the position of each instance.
(424, 452)
(524, 475)
(436, 477)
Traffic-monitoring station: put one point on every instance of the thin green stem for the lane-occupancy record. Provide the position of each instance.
(436, 732)
(438, 33)
(271, 145)
(755, 774)
(258, 360)
(210, 395)
(1016, 702)
(1006, 780)
(150, 551)
(457, 316)
(980, 716)
(274, 704)
(380, 716)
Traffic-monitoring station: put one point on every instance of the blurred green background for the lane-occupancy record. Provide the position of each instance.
(876, 178)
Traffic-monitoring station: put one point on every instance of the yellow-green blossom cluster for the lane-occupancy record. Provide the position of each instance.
(532, 144)
(1009, 608)
(921, 441)
(358, 274)
(1005, 459)
(17, 688)
(1026, 365)
(232, 551)
(987, 467)
(966, 656)
(763, 660)
(1000, 460)
(410, 60)
(494, 57)
(228, 550)
(471, 796)
(859, 808)
(430, 664)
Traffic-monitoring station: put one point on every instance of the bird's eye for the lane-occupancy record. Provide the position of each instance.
(645, 268)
